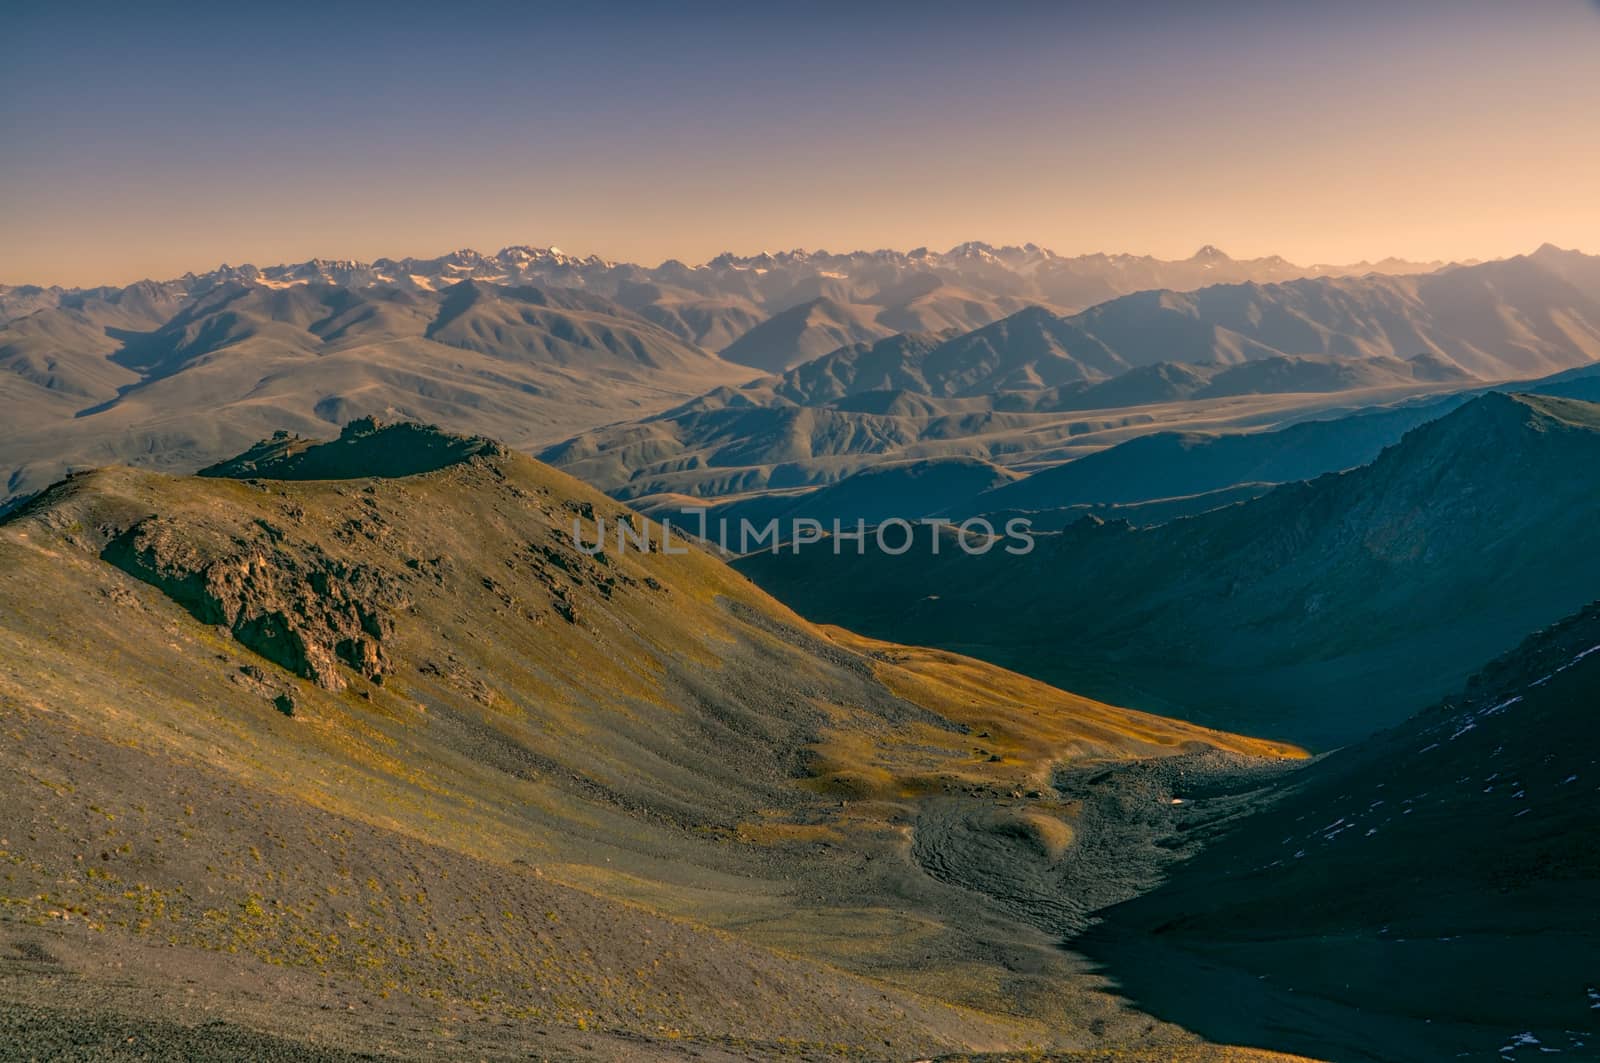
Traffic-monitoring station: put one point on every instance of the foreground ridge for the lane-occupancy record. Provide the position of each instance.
(395, 747)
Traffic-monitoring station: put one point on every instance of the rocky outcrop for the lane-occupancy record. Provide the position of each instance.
(293, 604)
(365, 447)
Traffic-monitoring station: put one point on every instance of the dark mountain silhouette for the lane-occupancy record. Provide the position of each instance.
(1452, 861)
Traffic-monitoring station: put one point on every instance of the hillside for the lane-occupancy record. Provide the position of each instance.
(180, 380)
(802, 333)
(1175, 464)
(891, 364)
(390, 764)
(1320, 611)
(1451, 861)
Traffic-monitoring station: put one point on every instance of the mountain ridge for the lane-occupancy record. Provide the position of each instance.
(380, 756)
(1496, 781)
(1391, 579)
(523, 261)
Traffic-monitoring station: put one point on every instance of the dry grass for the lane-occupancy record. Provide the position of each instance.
(498, 826)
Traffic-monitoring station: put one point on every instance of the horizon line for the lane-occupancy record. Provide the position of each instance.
(591, 258)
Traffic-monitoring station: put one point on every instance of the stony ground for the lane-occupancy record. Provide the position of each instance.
(390, 767)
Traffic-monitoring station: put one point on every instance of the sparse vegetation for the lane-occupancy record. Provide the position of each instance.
(613, 826)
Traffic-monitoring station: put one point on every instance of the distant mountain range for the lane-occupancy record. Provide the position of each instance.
(769, 281)
(1036, 388)
(768, 311)
(1320, 611)
(151, 373)
(534, 346)
(1524, 316)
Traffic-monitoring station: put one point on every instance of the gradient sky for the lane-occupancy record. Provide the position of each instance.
(150, 139)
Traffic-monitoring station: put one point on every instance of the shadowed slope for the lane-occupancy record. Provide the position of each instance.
(1424, 895)
(1175, 464)
(1320, 611)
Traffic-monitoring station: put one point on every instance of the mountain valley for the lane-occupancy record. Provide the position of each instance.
(1319, 611)
(350, 746)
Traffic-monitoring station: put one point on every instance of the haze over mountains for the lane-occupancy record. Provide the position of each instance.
(534, 345)
(696, 301)
(1035, 388)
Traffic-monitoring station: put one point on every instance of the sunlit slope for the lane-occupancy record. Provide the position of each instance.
(398, 746)
(162, 379)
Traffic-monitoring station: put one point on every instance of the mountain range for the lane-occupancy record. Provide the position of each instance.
(1037, 389)
(1320, 611)
(180, 380)
(765, 311)
(1524, 316)
(696, 300)
(405, 744)
(534, 346)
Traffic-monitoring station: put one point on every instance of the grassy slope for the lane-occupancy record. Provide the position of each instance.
(684, 815)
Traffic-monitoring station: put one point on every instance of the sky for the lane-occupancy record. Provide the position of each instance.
(151, 139)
